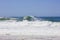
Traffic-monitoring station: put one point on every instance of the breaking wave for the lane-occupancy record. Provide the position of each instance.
(29, 25)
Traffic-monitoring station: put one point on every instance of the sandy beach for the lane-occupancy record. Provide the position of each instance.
(28, 37)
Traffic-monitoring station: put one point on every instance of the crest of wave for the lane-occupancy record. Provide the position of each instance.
(30, 18)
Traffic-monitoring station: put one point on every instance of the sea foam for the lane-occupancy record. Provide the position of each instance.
(25, 27)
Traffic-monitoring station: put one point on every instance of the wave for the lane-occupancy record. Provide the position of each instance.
(29, 27)
(30, 18)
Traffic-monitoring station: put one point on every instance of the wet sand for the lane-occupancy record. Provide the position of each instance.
(28, 37)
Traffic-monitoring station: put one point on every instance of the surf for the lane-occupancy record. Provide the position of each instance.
(30, 25)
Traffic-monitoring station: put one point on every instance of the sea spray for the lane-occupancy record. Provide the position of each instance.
(26, 27)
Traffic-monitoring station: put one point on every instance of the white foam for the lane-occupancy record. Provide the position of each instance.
(30, 28)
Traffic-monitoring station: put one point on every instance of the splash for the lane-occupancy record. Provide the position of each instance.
(30, 18)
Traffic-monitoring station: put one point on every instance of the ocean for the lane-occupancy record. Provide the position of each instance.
(30, 28)
(53, 19)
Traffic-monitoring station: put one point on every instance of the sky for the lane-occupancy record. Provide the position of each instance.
(30, 7)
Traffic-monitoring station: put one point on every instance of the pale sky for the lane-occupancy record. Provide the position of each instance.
(30, 7)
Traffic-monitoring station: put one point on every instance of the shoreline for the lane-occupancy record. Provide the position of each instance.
(28, 37)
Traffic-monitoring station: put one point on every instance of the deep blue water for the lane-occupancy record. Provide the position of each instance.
(53, 19)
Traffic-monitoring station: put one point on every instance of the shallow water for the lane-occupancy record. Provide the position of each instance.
(30, 28)
(28, 37)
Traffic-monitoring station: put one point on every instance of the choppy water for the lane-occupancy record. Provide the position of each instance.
(46, 26)
(53, 19)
